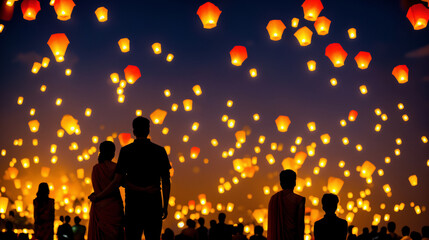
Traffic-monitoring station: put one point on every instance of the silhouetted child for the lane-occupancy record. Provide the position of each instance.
(405, 233)
(259, 230)
(212, 230)
(190, 232)
(9, 234)
(330, 227)
(391, 227)
(65, 231)
(78, 230)
(425, 233)
(168, 234)
(239, 233)
(351, 235)
(203, 232)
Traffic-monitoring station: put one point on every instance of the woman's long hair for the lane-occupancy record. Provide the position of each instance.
(43, 192)
(107, 151)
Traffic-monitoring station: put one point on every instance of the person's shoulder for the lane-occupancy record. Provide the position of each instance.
(156, 146)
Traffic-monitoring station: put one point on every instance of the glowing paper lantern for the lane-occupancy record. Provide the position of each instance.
(125, 139)
(29, 9)
(418, 15)
(80, 173)
(335, 185)
(282, 123)
(312, 9)
(209, 15)
(303, 35)
(34, 125)
(353, 115)
(12, 172)
(197, 90)
(132, 73)
(156, 47)
(240, 136)
(69, 124)
(195, 151)
(124, 44)
(170, 57)
(36, 67)
(311, 65)
(311, 126)
(325, 138)
(363, 59)
(187, 105)
(300, 158)
(363, 89)
(253, 72)
(3, 204)
(64, 9)
(58, 43)
(1, 28)
(367, 169)
(101, 14)
(322, 25)
(238, 55)
(336, 54)
(413, 180)
(401, 73)
(295, 22)
(275, 29)
(158, 116)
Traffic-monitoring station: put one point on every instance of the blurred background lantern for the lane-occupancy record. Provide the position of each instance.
(124, 44)
(132, 74)
(30, 8)
(282, 123)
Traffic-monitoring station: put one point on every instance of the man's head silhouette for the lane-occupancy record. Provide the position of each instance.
(141, 127)
(330, 203)
(288, 179)
(222, 217)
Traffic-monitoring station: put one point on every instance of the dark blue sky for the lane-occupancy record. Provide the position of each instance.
(283, 86)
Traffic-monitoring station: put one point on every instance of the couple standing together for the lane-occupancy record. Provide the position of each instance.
(142, 168)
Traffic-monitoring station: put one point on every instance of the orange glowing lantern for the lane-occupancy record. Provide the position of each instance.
(36, 67)
(312, 9)
(158, 116)
(367, 169)
(187, 105)
(413, 180)
(335, 185)
(132, 73)
(300, 158)
(209, 15)
(275, 29)
(322, 25)
(30, 8)
(352, 33)
(69, 124)
(197, 90)
(125, 139)
(336, 54)
(240, 136)
(311, 65)
(303, 35)
(13, 172)
(156, 47)
(363, 59)
(124, 44)
(294, 22)
(3, 204)
(58, 43)
(195, 151)
(64, 9)
(353, 115)
(45, 62)
(418, 15)
(282, 123)
(101, 14)
(238, 55)
(325, 138)
(401, 73)
(44, 172)
(34, 125)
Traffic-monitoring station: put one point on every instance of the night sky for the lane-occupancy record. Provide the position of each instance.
(284, 86)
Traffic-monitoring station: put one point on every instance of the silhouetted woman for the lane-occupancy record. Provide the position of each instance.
(107, 214)
(44, 214)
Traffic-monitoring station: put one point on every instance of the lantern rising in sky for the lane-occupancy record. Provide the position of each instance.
(312, 9)
(238, 55)
(132, 74)
(303, 35)
(363, 59)
(418, 15)
(336, 54)
(352, 33)
(64, 9)
(158, 116)
(195, 151)
(353, 115)
(275, 29)
(58, 43)
(156, 47)
(401, 73)
(335, 185)
(124, 44)
(30, 8)
(322, 25)
(101, 14)
(209, 15)
(282, 123)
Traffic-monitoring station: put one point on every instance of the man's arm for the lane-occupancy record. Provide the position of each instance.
(301, 213)
(166, 185)
(113, 185)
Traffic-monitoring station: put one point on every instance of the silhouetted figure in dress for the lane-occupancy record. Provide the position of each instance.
(330, 227)
(9, 234)
(78, 229)
(286, 211)
(106, 217)
(203, 232)
(44, 214)
(415, 235)
(223, 231)
(391, 227)
(144, 166)
(364, 235)
(212, 230)
(351, 236)
(425, 233)
(168, 234)
(239, 233)
(259, 230)
(65, 231)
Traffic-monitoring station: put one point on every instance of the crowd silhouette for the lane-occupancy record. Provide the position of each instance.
(143, 169)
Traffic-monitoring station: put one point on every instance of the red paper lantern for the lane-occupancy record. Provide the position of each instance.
(209, 15)
(418, 15)
(238, 55)
(30, 8)
(275, 29)
(64, 9)
(312, 9)
(336, 54)
(195, 151)
(58, 43)
(125, 139)
(322, 25)
(401, 73)
(353, 115)
(132, 73)
(363, 59)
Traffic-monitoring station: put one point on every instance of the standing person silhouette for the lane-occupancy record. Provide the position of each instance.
(144, 166)
(286, 211)
(44, 214)
(330, 227)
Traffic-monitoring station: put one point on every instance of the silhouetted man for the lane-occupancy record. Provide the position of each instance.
(391, 227)
(286, 211)
(65, 231)
(425, 233)
(203, 232)
(259, 230)
(144, 165)
(351, 235)
(78, 229)
(330, 227)
(405, 233)
(364, 235)
(223, 231)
